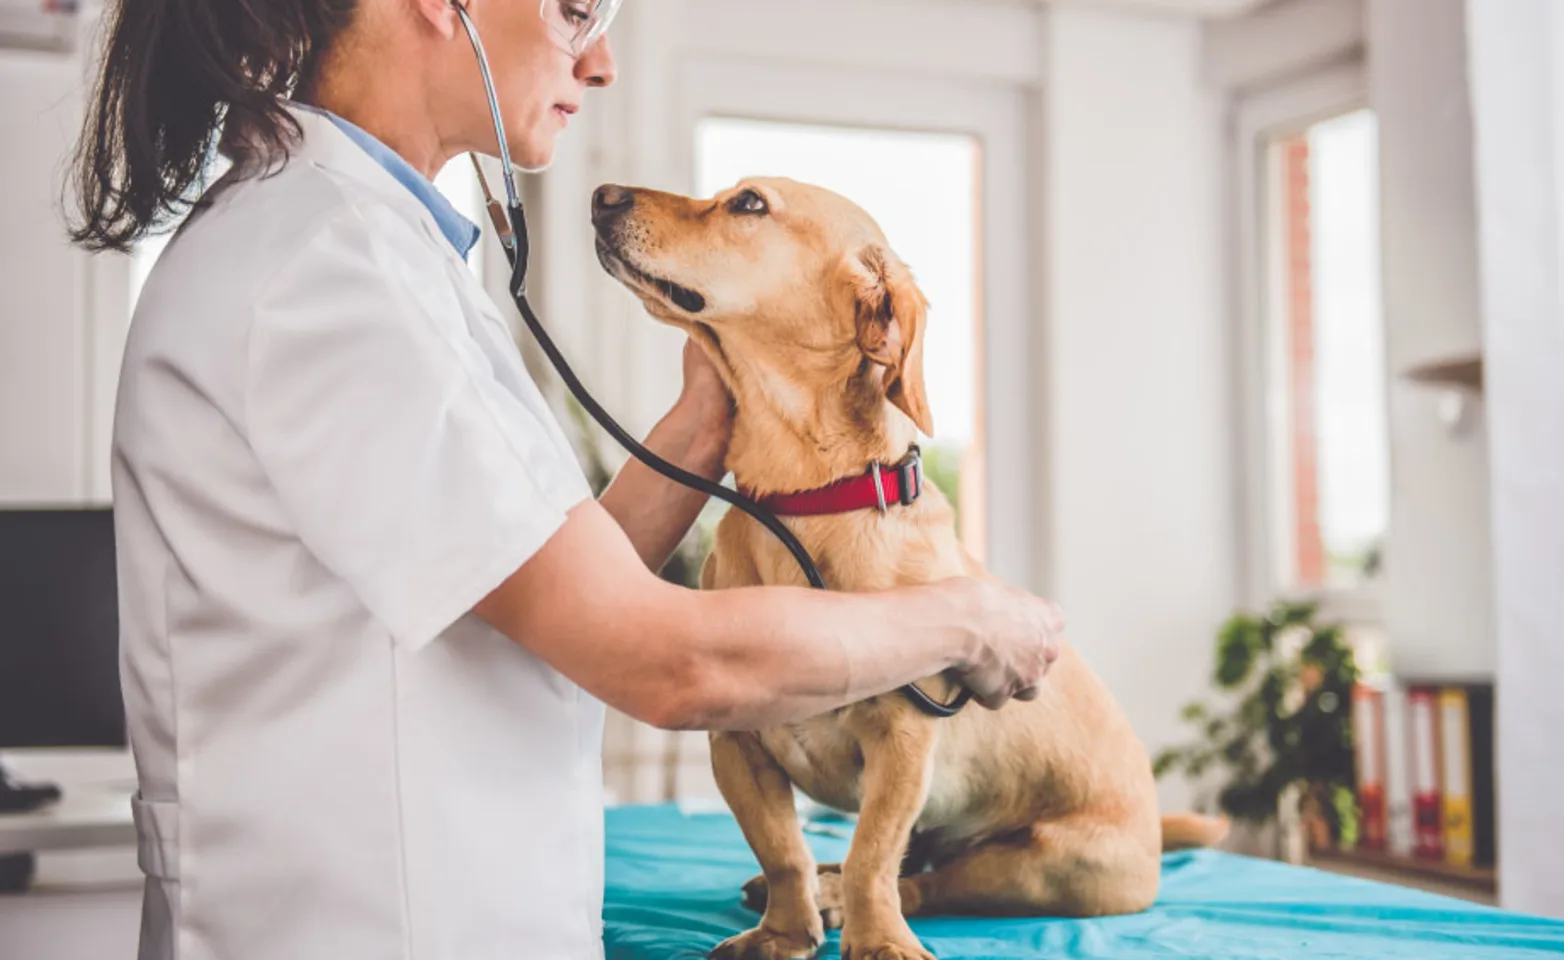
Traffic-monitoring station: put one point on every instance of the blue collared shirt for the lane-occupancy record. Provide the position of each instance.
(462, 233)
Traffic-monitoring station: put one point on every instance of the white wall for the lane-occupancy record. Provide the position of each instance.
(1438, 603)
(1281, 40)
(1140, 458)
(63, 314)
(1516, 55)
(43, 339)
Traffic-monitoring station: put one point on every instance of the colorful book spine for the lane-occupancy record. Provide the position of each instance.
(1368, 738)
(1399, 834)
(1423, 721)
(1455, 776)
(1479, 708)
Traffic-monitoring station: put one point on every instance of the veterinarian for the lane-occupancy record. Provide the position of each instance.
(371, 613)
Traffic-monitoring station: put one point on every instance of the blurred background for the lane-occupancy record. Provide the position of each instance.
(1245, 347)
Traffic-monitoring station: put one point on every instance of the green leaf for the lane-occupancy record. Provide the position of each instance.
(1235, 651)
(1347, 824)
(942, 468)
(1271, 691)
(1325, 646)
(1193, 712)
(1287, 614)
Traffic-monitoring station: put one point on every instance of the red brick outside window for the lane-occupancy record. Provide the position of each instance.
(1310, 547)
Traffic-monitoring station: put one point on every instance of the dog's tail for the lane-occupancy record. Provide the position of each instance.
(1180, 831)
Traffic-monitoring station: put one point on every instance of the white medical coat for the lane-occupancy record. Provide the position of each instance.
(326, 451)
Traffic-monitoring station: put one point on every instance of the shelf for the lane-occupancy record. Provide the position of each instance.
(1480, 878)
(1465, 372)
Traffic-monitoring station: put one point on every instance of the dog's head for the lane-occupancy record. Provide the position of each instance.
(791, 290)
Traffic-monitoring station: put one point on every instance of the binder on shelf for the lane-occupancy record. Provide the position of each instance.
(1455, 782)
(1479, 706)
(1368, 743)
(1399, 833)
(1423, 735)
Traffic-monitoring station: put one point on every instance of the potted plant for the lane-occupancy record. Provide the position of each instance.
(1282, 734)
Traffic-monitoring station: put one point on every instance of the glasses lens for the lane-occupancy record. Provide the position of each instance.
(579, 23)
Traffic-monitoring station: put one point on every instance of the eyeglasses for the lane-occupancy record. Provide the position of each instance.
(579, 23)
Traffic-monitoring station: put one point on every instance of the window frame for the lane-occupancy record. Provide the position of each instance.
(1259, 117)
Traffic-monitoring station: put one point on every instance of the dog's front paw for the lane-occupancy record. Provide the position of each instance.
(829, 895)
(880, 945)
(763, 944)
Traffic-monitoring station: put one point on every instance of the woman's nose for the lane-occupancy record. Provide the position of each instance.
(611, 200)
(596, 67)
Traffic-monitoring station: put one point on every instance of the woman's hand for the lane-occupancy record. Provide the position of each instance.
(1015, 639)
(706, 408)
(655, 512)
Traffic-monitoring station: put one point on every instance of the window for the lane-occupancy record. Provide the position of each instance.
(1327, 444)
(922, 189)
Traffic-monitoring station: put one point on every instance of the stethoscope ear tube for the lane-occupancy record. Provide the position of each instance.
(510, 223)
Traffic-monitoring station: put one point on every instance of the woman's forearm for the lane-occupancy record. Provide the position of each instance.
(776, 655)
(654, 512)
(750, 657)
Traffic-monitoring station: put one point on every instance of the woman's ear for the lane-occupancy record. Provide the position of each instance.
(890, 313)
(441, 15)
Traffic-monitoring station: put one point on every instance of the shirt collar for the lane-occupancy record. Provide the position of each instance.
(461, 232)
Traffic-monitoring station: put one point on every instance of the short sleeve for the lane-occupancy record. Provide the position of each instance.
(385, 443)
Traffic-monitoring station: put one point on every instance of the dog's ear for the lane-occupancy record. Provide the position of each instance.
(890, 313)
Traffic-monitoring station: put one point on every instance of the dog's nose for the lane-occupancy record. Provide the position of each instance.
(611, 200)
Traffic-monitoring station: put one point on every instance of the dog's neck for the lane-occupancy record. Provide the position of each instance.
(808, 442)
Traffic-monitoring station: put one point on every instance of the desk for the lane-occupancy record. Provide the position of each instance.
(86, 816)
(85, 898)
(88, 837)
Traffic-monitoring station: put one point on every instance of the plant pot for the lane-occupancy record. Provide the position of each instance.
(1292, 841)
(1282, 837)
(1252, 839)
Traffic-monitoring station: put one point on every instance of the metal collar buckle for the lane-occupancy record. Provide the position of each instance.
(909, 473)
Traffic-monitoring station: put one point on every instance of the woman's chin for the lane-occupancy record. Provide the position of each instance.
(536, 152)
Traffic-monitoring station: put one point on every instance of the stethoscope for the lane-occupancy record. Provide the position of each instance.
(510, 223)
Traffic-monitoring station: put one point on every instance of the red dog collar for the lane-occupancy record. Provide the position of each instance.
(878, 488)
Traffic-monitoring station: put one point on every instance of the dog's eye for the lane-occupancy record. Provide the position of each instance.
(748, 202)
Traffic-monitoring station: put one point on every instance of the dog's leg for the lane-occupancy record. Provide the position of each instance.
(1073, 867)
(828, 896)
(898, 757)
(760, 795)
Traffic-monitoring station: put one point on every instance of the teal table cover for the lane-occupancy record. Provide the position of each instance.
(673, 878)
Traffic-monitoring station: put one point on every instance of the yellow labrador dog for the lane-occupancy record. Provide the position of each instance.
(1041, 807)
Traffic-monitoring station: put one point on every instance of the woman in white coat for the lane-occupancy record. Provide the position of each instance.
(370, 611)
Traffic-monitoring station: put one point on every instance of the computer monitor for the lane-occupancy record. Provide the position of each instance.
(59, 630)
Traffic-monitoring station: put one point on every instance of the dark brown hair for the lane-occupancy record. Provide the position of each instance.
(180, 80)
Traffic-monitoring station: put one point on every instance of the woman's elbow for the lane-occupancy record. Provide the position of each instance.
(689, 694)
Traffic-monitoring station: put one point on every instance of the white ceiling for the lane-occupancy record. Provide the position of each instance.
(1213, 9)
